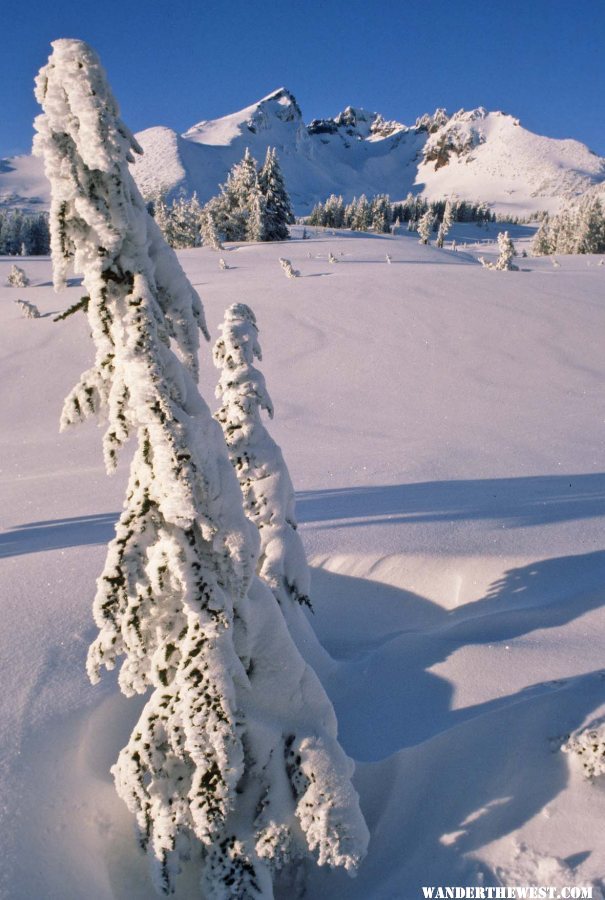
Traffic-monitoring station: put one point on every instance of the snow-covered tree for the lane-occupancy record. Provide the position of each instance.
(17, 277)
(542, 242)
(449, 215)
(278, 209)
(440, 236)
(507, 253)
(185, 218)
(236, 746)
(380, 212)
(289, 270)
(29, 310)
(208, 229)
(361, 215)
(260, 467)
(579, 227)
(239, 213)
(425, 226)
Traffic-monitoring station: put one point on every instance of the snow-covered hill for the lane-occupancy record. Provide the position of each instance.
(443, 425)
(476, 155)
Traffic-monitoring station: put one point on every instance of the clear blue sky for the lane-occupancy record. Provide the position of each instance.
(174, 63)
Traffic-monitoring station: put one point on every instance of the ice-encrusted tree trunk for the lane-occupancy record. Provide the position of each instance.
(235, 752)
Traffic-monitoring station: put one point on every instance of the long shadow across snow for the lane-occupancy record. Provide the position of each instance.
(535, 500)
(532, 500)
(386, 695)
(57, 534)
(439, 783)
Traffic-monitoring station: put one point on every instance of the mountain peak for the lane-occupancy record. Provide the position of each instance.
(283, 96)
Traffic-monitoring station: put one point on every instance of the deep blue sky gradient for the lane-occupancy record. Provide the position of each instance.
(175, 63)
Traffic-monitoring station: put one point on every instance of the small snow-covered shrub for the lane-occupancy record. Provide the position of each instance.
(588, 744)
(222, 264)
(29, 310)
(504, 263)
(287, 267)
(17, 277)
(507, 252)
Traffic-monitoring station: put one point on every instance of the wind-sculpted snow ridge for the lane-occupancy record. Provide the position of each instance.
(235, 757)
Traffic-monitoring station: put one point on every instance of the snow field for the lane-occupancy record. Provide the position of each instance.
(443, 426)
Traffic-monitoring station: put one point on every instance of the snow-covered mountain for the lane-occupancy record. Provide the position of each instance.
(476, 155)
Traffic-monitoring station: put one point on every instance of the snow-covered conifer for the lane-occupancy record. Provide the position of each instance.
(289, 271)
(449, 215)
(507, 253)
(223, 752)
(185, 216)
(440, 236)
(239, 213)
(361, 216)
(542, 242)
(17, 277)
(208, 229)
(380, 213)
(331, 257)
(29, 310)
(258, 461)
(223, 264)
(278, 209)
(425, 226)
(388, 258)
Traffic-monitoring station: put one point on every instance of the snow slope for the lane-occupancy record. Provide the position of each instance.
(489, 157)
(444, 428)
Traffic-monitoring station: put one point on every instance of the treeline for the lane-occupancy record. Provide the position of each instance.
(24, 234)
(578, 228)
(253, 205)
(379, 214)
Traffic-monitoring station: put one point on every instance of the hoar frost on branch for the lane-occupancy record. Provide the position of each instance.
(235, 752)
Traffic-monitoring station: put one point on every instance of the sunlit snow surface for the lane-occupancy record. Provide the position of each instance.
(444, 428)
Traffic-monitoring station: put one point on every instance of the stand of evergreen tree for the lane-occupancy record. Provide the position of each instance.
(577, 228)
(23, 233)
(378, 213)
(253, 204)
